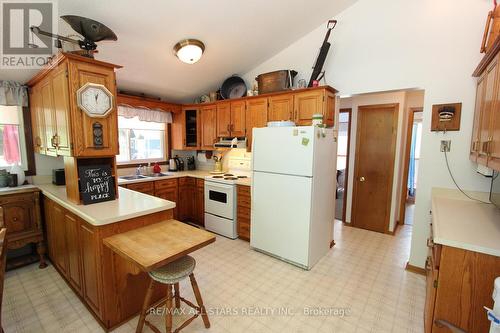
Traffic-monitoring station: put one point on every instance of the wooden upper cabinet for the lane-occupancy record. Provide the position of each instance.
(81, 73)
(47, 110)
(208, 125)
(494, 149)
(485, 141)
(231, 119)
(37, 121)
(306, 104)
(280, 107)
(62, 136)
(185, 129)
(475, 140)
(61, 127)
(256, 116)
(224, 119)
(238, 127)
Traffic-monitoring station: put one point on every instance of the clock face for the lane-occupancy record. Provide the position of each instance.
(95, 100)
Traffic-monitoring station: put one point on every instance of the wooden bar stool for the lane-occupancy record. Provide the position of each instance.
(170, 275)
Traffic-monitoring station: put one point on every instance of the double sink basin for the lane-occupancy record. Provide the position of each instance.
(153, 175)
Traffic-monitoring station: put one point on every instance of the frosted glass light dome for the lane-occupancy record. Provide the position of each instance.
(189, 50)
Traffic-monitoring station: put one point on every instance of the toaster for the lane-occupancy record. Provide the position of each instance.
(58, 177)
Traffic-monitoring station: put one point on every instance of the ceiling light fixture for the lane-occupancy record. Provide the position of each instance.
(189, 50)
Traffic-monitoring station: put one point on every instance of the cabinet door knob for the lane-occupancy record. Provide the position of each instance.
(362, 179)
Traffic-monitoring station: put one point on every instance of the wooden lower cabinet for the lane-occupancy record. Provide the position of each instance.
(169, 190)
(243, 212)
(77, 251)
(186, 198)
(22, 218)
(459, 284)
(199, 217)
(144, 187)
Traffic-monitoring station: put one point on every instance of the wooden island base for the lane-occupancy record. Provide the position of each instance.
(111, 287)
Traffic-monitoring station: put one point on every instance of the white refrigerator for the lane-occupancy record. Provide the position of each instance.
(293, 192)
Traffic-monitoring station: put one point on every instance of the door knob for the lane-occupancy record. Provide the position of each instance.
(362, 179)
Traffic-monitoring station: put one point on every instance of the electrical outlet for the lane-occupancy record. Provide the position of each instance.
(445, 145)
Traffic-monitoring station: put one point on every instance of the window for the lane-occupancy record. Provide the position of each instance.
(342, 140)
(12, 140)
(141, 141)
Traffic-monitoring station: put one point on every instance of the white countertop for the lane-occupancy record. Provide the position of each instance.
(130, 204)
(178, 174)
(463, 223)
(17, 189)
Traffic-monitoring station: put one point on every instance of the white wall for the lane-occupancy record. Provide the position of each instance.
(396, 44)
(44, 164)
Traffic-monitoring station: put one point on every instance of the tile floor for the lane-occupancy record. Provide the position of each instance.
(360, 286)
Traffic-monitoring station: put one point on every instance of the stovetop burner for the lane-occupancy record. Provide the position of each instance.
(242, 176)
(228, 175)
(217, 176)
(230, 178)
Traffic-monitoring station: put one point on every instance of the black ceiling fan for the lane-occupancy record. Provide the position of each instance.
(91, 30)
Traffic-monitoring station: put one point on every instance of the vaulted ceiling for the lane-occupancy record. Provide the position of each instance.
(238, 36)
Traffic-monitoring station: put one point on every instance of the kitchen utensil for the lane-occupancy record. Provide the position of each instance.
(172, 164)
(19, 172)
(276, 81)
(12, 180)
(58, 177)
(156, 168)
(191, 163)
(233, 87)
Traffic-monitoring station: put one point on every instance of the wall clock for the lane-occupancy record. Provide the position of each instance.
(95, 100)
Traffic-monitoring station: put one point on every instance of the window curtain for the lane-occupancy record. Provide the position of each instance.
(144, 114)
(411, 170)
(12, 94)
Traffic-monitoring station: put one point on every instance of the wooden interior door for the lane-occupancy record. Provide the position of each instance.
(61, 110)
(306, 104)
(238, 118)
(256, 116)
(374, 166)
(223, 119)
(79, 75)
(208, 124)
(280, 107)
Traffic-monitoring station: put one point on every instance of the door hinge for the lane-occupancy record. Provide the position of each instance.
(435, 283)
(66, 74)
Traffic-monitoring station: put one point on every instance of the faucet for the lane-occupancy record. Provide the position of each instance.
(138, 170)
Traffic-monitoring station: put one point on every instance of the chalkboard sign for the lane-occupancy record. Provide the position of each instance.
(96, 184)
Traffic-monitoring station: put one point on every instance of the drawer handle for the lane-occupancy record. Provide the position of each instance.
(14, 219)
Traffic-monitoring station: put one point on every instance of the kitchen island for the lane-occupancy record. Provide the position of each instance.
(108, 285)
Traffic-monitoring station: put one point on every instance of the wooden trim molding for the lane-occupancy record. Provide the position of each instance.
(488, 57)
(346, 173)
(149, 103)
(28, 134)
(415, 269)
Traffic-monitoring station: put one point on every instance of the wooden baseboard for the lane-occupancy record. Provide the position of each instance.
(415, 269)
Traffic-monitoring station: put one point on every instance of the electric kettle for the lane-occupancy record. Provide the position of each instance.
(172, 164)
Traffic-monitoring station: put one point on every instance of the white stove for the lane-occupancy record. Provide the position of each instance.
(221, 200)
(226, 178)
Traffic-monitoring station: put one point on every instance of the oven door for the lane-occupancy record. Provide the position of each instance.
(219, 199)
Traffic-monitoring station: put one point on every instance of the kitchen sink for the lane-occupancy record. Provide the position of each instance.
(160, 174)
(133, 177)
